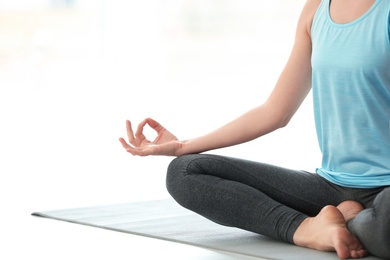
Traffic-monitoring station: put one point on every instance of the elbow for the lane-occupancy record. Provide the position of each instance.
(280, 117)
(277, 123)
(274, 117)
(283, 121)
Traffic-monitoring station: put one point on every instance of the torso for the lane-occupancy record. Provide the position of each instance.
(350, 60)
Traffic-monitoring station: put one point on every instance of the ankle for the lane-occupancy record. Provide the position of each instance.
(300, 237)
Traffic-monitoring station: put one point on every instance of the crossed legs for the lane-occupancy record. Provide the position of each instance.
(264, 199)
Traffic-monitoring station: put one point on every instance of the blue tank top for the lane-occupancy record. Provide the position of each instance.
(351, 96)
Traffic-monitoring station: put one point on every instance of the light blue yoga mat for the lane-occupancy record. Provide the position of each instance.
(165, 219)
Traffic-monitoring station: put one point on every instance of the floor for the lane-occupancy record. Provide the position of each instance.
(60, 240)
(69, 77)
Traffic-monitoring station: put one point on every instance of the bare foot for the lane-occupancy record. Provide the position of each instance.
(350, 209)
(328, 232)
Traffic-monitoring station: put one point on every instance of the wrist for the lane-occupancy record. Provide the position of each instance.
(180, 148)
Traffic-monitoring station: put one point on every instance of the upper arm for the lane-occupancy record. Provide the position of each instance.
(294, 83)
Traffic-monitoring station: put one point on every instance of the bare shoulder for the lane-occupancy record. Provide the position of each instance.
(308, 13)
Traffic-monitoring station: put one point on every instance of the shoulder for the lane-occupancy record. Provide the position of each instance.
(307, 15)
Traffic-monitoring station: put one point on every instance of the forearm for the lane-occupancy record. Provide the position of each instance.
(290, 90)
(251, 125)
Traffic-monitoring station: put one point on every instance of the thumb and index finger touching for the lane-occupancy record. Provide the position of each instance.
(136, 139)
(156, 126)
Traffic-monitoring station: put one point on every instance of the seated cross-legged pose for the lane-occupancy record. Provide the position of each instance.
(341, 53)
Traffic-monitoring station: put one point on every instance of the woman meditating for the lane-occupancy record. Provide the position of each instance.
(341, 53)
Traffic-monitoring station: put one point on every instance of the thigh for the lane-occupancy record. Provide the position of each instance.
(303, 191)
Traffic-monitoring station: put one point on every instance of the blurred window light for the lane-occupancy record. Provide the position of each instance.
(10, 5)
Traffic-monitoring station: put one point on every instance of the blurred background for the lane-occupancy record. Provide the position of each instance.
(72, 72)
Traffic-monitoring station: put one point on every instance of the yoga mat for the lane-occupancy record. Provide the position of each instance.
(167, 220)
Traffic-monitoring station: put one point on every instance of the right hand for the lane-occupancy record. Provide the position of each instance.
(164, 144)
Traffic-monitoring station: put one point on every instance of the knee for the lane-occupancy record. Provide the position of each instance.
(176, 178)
(174, 171)
(381, 213)
(381, 249)
(373, 232)
(372, 226)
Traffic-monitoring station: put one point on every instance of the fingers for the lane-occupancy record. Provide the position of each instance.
(130, 134)
(139, 134)
(139, 151)
(124, 143)
(135, 142)
(133, 150)
(152, 123)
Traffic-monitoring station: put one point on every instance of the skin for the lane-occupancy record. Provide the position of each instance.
(327, 231)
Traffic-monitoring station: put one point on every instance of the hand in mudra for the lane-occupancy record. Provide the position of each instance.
(164, 144)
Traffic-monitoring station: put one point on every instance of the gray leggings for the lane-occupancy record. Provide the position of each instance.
(272, 200)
